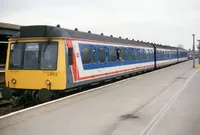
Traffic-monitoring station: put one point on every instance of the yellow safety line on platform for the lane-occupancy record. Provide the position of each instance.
(198, 66)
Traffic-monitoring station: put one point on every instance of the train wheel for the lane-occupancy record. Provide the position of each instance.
(45, 95)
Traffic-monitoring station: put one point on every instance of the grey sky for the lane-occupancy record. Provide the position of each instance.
(169, 22)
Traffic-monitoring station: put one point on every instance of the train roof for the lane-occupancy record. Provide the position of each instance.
(9, 26)
(52, 31)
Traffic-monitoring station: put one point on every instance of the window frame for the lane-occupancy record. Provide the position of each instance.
(88, 46)
(103, 54)
(114, 51)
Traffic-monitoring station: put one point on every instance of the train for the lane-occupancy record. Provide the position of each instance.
(190, 55)
(45, 60)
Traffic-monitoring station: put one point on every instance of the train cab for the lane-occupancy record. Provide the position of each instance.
(36, 60)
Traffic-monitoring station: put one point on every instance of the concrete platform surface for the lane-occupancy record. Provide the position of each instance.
(162, 102)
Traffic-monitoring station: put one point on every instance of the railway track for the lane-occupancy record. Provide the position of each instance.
(7, 106)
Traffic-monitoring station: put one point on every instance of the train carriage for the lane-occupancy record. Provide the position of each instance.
(166, 55)
(44, 60)
(182, 54)
(97, 60)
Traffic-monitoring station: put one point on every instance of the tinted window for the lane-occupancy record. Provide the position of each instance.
(159, 54)
(16, 51)
(70, 56)
(31, 56)
(148, 54)
(139, 55)
(130, 57)
(107, 55)
(113, 54)
(145, 54)
(94, 55)
(152, 54)
(101, 55)
(49, 56)
(122, 54)
(142, 54)
(135, 54)
(86, 55)
(126, 54)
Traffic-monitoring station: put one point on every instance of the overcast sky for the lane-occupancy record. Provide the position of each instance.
(169, 22)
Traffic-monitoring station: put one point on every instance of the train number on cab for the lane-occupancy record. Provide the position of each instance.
(52, 74)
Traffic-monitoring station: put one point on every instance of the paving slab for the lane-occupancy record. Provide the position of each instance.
(124, 108)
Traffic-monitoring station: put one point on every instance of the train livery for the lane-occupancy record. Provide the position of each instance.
(44, 60)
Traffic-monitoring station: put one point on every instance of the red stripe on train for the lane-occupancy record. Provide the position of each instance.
(109, 73)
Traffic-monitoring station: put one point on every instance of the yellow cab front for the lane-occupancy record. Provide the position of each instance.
(36, 63)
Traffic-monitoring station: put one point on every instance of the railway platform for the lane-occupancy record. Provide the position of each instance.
(161, 102)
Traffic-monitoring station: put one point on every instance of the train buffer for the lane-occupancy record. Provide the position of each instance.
(164, 101)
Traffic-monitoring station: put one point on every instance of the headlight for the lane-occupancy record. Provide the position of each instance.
(48, 82)
(13, 81)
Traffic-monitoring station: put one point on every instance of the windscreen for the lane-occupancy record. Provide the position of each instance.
(16, 56)
(34, 56)
(49, 56)
(31, 56)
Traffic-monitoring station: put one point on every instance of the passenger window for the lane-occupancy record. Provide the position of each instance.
(101, 55)
(126, 54)
(113, 54)
(143, 54)
(163, 54)
(139, 55)
(152, 54)
(130, 57)
(135, 54)
(107, 55)
(86, 55)
(147, 54)
(122, 54)
(94, 55)
(157, 54)
(160, 54)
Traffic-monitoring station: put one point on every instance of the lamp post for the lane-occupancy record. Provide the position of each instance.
(199, 50)
(193, 50)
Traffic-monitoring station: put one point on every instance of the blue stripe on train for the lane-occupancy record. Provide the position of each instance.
(112, 64)
(96, 65)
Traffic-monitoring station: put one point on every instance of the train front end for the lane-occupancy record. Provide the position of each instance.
(35, 65)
